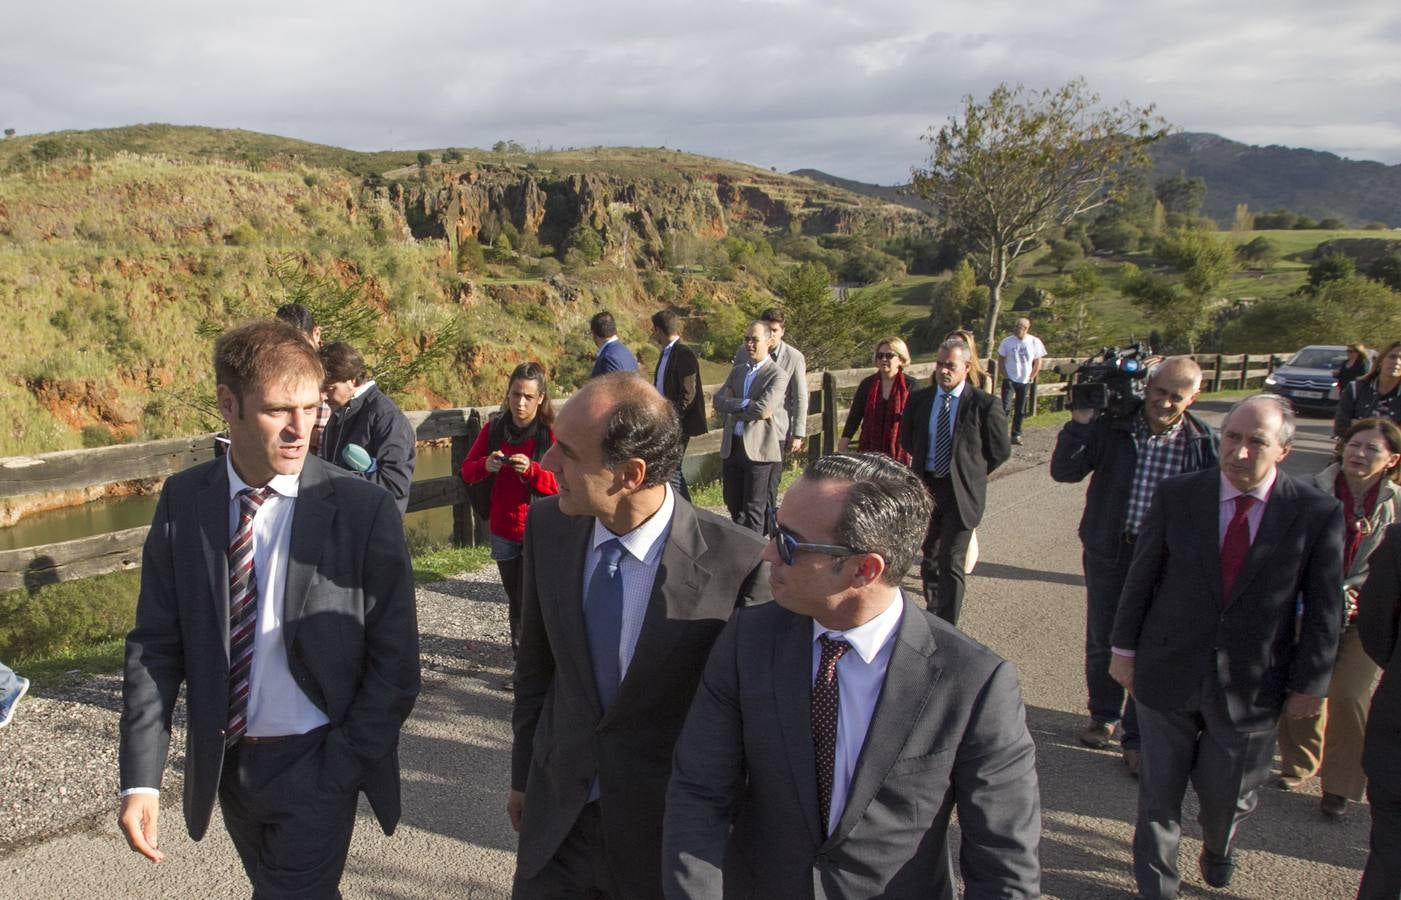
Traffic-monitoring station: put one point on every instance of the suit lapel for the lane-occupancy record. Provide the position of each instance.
(792, 694)
(212, 511)
(679, 585)
(311, 522)
(910, 679)
(1279, 514)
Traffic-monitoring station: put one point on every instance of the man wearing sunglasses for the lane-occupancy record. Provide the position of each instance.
(837, 728)
(955, 435)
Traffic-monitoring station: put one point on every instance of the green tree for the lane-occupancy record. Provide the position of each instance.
(1337, 313)
(1074, 324)
(1062, 254)
(9, 133)
(832, 330)
(1011, 168)
(1182, 195)
(451, 155)
(1243, 220)
(1182, 306)
(586, 241)
(1260, 252)
(425, 159)
(1332, 223)
(1331, 267)
(1387, 270)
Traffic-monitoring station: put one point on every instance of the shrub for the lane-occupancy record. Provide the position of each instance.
(243, 235)
(1331, 267)
(53, 618)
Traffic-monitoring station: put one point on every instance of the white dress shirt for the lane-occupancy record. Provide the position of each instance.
(661, 362)
(639, 564)
(860, 676)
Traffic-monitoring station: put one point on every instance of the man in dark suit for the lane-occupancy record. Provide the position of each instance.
(366, 418)
(1379, 627)
(613, 354)
(753, 422)
(837, 728)
(955, 435)
(278, 590)
(1230, 615)
(626, 587)
(678, 378)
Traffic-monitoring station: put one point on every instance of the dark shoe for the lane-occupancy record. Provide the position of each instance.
(1017, 439)
(1216, 870)
(1334, 806)
(1098, 734)
(1132, 758)
(1290, 782)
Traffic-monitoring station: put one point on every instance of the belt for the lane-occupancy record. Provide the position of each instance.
(266, 739)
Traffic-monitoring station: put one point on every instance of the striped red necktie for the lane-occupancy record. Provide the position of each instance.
(243, 611)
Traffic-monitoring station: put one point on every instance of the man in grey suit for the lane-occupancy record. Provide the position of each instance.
(836, 729)
(754, 427)
(626, 587)
(278, 590)
(1230, 616)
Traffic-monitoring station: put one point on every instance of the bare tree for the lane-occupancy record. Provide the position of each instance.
(1013, 167)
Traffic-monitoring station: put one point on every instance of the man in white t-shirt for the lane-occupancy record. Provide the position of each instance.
(1021, 353)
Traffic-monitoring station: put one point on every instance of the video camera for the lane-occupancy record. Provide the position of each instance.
(1111, 382)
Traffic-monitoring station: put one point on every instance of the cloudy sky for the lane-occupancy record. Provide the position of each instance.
(847, 87)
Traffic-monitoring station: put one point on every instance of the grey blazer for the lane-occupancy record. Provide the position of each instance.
(563, 740)
(350, 630)
(795, 392)
(949, 731)
(765, 419)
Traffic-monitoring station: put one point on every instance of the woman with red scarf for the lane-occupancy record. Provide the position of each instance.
(879, 402)
(1365, 479)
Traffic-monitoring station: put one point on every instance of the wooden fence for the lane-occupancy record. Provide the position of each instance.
(153, 461)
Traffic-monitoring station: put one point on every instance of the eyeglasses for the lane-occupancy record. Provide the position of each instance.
(752, 340)
(882, 356)
(788, 545)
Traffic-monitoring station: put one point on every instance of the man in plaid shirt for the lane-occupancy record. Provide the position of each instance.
(1127, 458)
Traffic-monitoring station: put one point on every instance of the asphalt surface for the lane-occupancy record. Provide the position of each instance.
(1025, 600)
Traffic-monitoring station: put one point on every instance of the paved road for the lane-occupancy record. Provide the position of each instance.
(1025, 601)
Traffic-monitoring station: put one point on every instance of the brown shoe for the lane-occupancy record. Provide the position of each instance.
(1098, 734)
(1334, 806)
(1132, 758)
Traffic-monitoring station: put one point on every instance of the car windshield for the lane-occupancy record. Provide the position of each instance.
(1319, 358)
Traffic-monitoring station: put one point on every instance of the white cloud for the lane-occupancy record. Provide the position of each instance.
(841, 86)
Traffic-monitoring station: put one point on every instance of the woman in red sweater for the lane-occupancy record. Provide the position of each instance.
(509, 450)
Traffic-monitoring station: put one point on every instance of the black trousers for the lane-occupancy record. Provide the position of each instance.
(510, 570)
(578, 870)
(1014, 411)
(745, 484)
(945, 552)
(291, 834)
(1104, 581)
(1381, 880)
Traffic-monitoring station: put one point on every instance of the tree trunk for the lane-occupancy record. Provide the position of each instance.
(998, 277)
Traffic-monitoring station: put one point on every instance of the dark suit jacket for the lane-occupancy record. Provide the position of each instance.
(1379, 627)
(681, 384)
(1171, 614)
(980, 444)
(375, 423)
(614, 357)
(350, 630)
(949, 731)
(562, 738)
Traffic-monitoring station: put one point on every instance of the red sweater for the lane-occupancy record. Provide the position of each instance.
(510, 495)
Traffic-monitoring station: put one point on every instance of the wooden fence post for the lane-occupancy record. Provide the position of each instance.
(829, 413)
(1244, 369)
(1216, 376)
(464, 525)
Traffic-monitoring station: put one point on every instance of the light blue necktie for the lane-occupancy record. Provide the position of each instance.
(603, 619)
(943, 439)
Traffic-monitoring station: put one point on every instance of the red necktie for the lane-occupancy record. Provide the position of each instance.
(243, 611)
(824, 723)
(1236, 546)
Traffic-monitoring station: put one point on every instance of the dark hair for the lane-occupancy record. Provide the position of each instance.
(1376, 372)
(298, 316)
(668, 321)
(885, 511)
(773, 314)
(642, 425)
(602, 325)
(1390, 433)
(343, 362)
(533, 371)
(252, 355)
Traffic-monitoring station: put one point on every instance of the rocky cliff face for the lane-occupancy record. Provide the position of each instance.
(634, 215)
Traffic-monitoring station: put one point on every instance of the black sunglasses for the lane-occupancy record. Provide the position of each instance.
(788, 545)
(883, 356)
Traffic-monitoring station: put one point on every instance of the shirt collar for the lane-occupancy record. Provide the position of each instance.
(363, 388)
(868, 638)
(640, 541)
(1261, 492)
(671, 343)
(282, 485)
(956, 392)
(605, 344)
(755, 365)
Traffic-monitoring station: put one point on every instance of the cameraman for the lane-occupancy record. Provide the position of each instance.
(1129, 455)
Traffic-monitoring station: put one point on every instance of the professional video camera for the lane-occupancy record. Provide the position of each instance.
(1111, 382)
